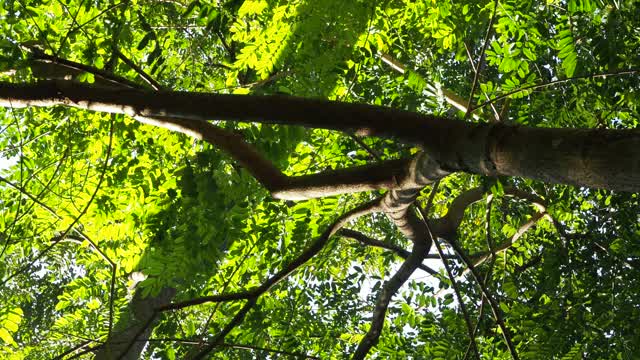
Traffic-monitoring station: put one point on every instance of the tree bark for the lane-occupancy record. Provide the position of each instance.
(124, 342)
(597, 158)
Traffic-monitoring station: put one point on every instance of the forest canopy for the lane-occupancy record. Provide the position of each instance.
(302, 179)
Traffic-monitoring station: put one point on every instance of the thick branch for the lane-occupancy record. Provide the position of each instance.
(393, 174)
(599, 158)
(410, 173)
(396, 205)
(122, 344)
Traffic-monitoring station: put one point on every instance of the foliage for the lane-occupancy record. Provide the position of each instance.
(89, 200)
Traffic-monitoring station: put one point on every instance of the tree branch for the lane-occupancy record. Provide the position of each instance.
(384, 297)
(393, 174)
(492, 302)
(305, 256)
(358, 236)
(51, 67)
(146, 77)
(599, 158)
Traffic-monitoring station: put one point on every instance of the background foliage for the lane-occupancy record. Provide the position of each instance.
(117, 197)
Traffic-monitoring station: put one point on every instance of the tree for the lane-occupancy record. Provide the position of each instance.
(147, 243)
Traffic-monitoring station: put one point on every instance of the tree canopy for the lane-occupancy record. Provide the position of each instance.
(301, 179)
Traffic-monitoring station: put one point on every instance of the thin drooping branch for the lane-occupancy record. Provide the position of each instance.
(274, 351)
(225, 344)
(219, 338)
(556, 82)
(478, 259)
(481, 57)
(424, 216)
(381, 244)
(495, 309)
(80, 346)
(456, 290)
(146, 77)
(52, 67)
(475, 69)
(384, 297)
(490, 246)
(84, 210)
(305, 256)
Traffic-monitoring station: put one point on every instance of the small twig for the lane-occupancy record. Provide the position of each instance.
(107, 76)
(281, 352)
(75, 221)
(487, 293)
(490, 246)
(366, 147)
(475, 70)
(476, 75)
(454, 283)
(381, 244)
(555, 82)
(146, 77)
(218, 339)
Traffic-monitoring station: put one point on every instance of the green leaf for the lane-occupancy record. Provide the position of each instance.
(145, 41)
(6, 337)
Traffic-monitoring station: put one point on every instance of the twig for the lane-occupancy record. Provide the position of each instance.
(377, 243)
(490, 246)
(454, 283)
(75, 221)
(476, 75)
(487, 293)
(146, 77)
(107, 76)
(551, 83)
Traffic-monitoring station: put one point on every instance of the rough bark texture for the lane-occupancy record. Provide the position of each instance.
(598, 158)
(122, 343)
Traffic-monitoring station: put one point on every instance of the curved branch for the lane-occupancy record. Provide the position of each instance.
(391, 174)
(456, 210)
(305, 256)
(358, 236)
(384, 297)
